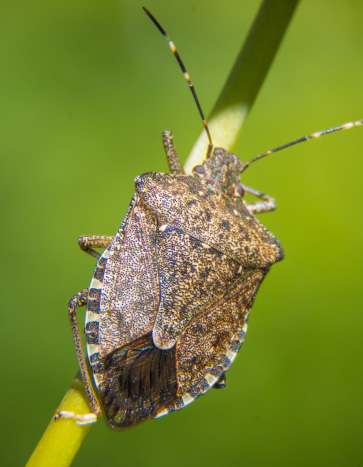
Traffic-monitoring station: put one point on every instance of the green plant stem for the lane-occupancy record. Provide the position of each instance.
(246, 78)
(62, 439)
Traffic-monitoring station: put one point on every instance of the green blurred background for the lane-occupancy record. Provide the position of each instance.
(86, 89)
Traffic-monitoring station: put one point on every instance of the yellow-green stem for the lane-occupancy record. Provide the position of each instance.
(63, 438)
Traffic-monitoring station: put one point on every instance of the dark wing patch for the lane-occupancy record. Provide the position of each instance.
(138, 380)
(130, 290)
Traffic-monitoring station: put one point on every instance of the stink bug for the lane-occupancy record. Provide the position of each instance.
(169, 300)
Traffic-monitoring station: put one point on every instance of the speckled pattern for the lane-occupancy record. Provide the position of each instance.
(168, 304)
(209, 335)
(130, 294)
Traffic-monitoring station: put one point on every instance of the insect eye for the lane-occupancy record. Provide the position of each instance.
(199, 170)
(239, 191)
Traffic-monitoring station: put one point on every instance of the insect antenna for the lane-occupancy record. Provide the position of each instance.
(186, 76)
(345, 126)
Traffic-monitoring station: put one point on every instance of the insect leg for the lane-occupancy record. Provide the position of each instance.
(222, 382)
(267, 204)
(78, 300)
(176, 167)
(88, 242)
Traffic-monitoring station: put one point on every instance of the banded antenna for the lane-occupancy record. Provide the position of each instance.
(345, 126)
(186, 76)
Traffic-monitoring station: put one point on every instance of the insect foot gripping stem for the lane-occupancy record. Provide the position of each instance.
(85, 419)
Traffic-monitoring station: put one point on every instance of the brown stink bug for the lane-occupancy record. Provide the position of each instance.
(168, 304)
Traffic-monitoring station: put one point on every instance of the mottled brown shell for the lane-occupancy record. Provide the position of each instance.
(170, 297)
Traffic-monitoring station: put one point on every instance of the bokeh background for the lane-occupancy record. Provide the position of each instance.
(85, 90)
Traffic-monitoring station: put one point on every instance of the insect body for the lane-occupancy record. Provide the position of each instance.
(168, 304)
(167, 307)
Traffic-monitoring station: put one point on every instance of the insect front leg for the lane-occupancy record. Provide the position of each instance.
(88, 242)
(176, 167)
(267, 204)
(78, 300)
